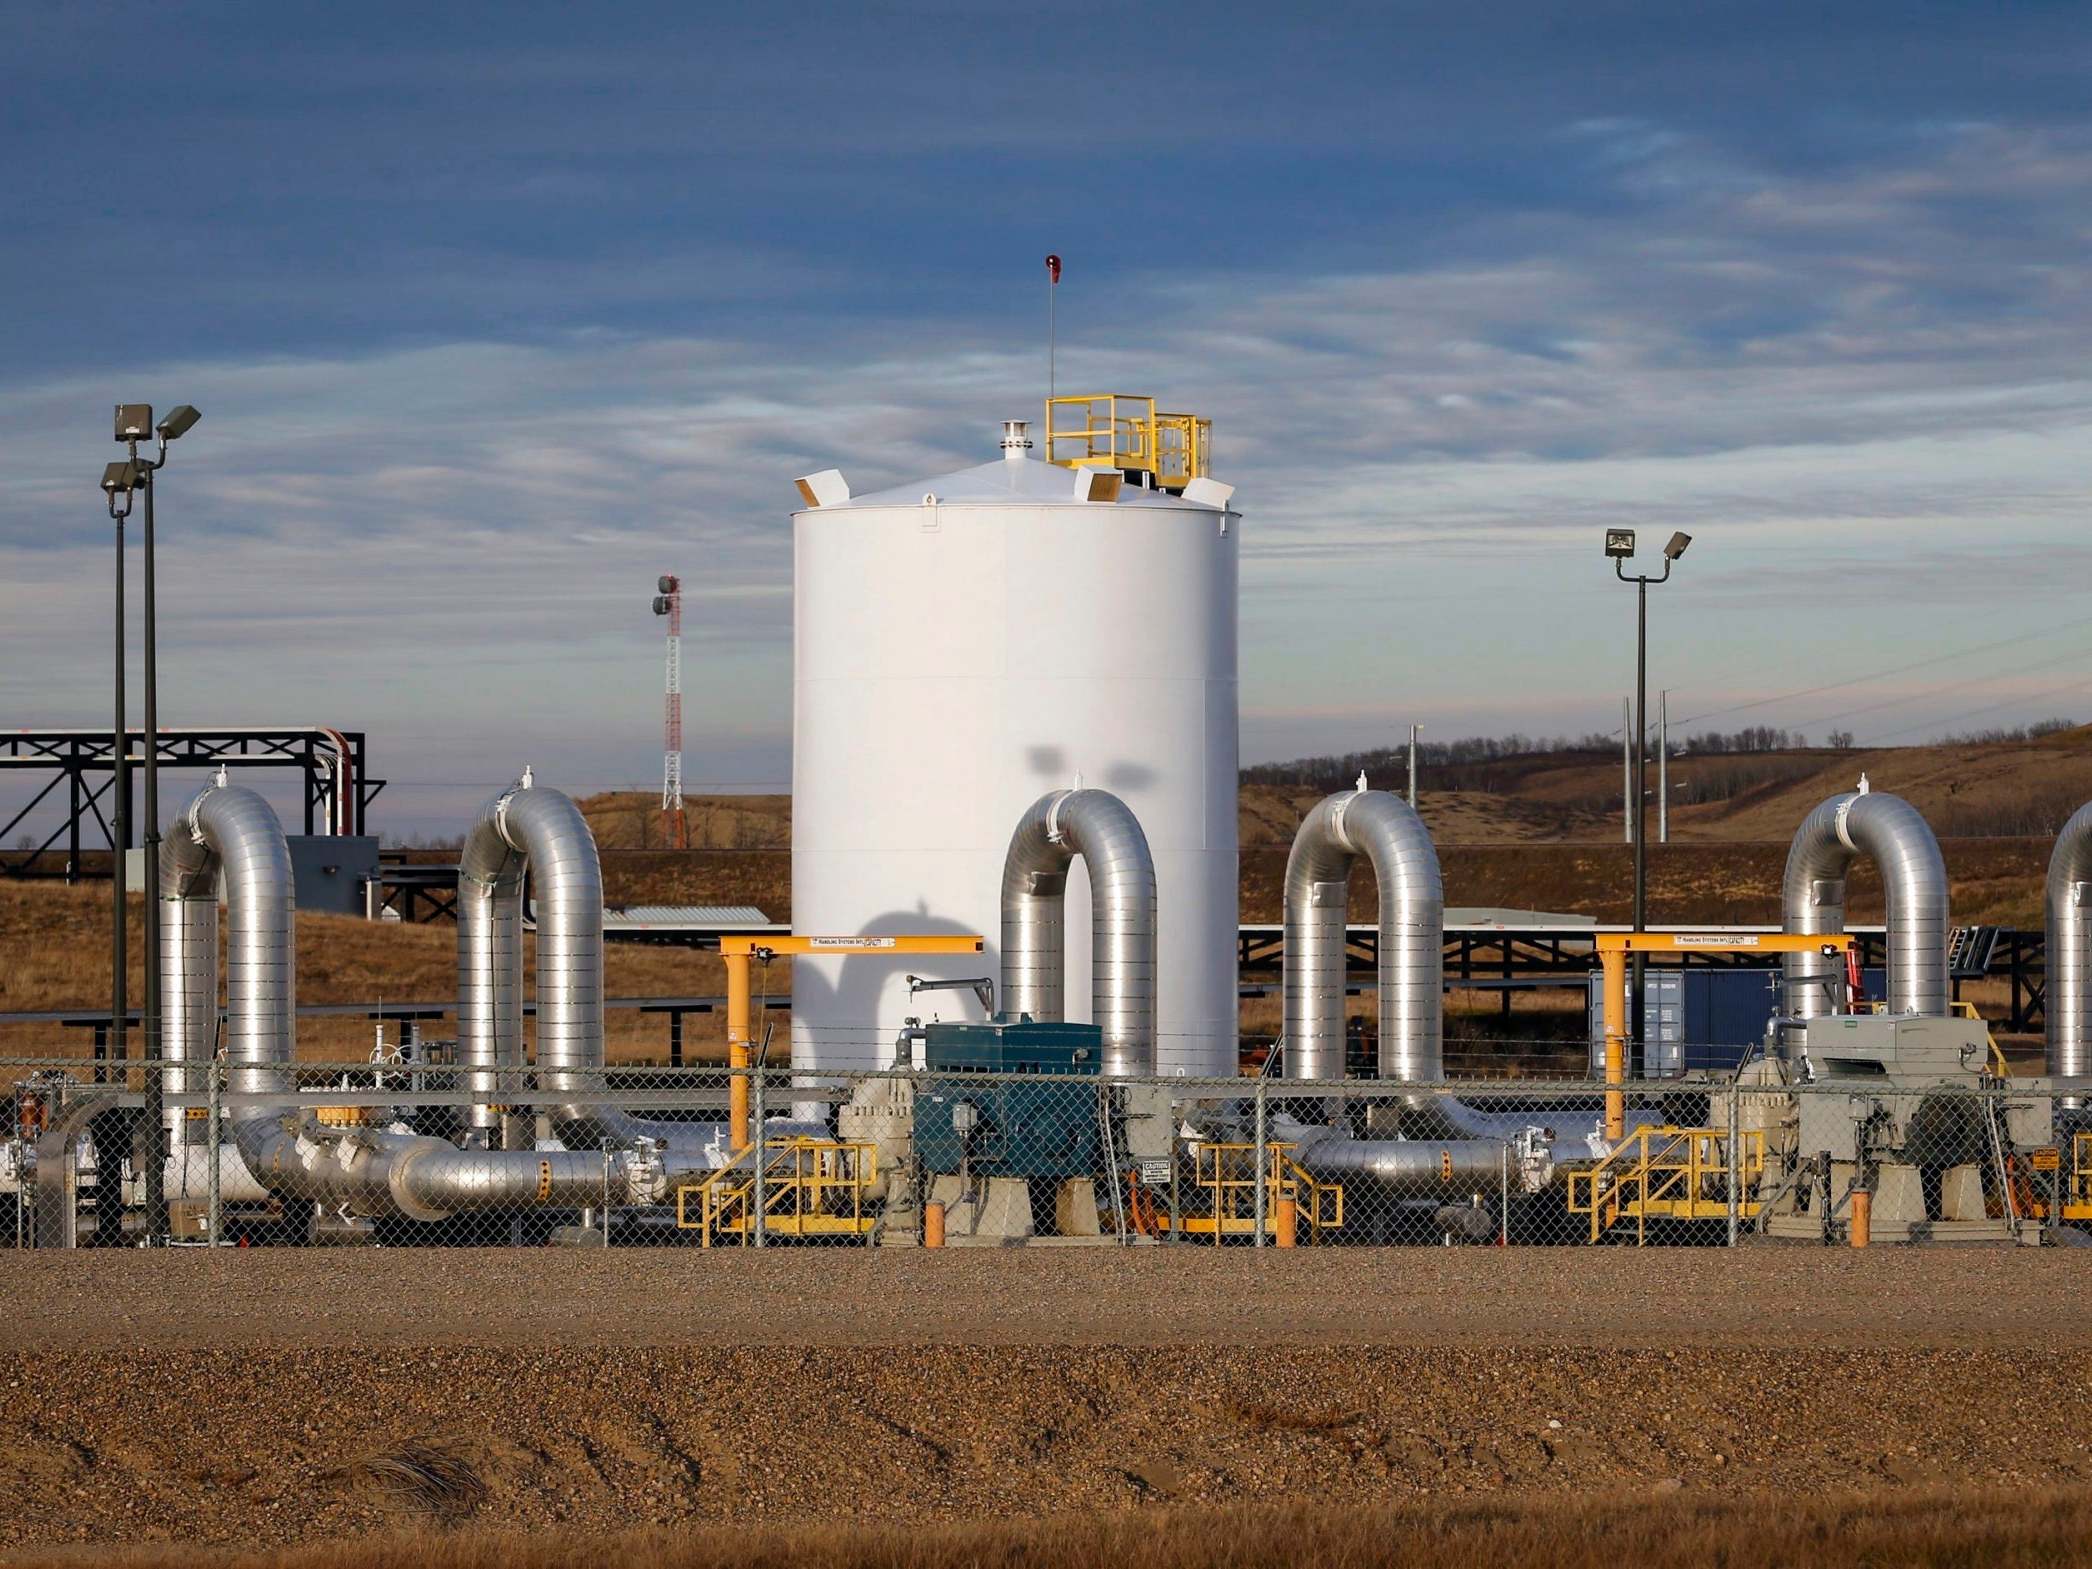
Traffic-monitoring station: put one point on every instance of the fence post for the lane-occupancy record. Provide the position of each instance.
(606, 1193)
(214, 1209)
(1503, 1194)
(755, 1140)
(1176, 1205)
(1262, 1155)
(1735, 1153)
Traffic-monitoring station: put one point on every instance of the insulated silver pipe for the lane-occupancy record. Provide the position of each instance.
(372, 1172)
(1100, 828)
(1889, 831)
(188, 961)
(1384, 829)
(490, 964)
(234, 832)
(2069, 948)
(231, 831)
(541, 832)
(1420, 1165)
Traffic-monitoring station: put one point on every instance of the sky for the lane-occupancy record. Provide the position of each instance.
(497, 312)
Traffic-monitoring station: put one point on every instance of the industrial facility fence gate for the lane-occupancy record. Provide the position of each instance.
(421, 1154)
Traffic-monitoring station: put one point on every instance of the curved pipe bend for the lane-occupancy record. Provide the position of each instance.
(1389, 834)
(1099, 827)
(1887, 830)
(232, 832)
(2069, 948)
(533, 830)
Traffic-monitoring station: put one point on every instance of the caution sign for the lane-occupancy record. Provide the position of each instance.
(2048, 1159)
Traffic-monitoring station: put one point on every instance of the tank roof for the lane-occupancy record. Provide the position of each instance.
(1025, 482)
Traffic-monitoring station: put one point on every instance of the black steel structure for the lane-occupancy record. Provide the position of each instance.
(1508, 959)
(83, 764)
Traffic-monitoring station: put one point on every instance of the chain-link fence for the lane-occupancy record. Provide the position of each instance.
(427, 1153)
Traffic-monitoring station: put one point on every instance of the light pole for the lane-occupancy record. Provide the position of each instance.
(119, 483)
(134, 423)
(1619, 545)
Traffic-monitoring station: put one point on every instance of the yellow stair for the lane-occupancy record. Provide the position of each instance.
(1664, 1173)
(810, 1188)
(1226, 1175)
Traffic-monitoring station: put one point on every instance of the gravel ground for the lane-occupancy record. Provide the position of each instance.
(271, 1397)
(1768, 1296)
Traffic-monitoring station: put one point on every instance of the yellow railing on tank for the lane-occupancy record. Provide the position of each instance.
(1120, 430)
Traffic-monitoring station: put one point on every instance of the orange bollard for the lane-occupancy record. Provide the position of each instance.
(1862, 1228)
(1285, 1219)
(933, 1225)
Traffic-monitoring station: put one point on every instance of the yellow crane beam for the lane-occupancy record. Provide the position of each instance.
(1614, 950)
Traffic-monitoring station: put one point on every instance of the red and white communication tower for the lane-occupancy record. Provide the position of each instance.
(669, 602)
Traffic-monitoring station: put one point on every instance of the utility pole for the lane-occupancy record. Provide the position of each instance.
(1414, 732)
(119, 483)
(1619, 546)
(669, 602)
(1663, 766)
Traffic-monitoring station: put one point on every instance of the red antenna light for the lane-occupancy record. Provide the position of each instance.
(1053, 278)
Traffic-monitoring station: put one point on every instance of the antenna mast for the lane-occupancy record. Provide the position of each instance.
(669, 602)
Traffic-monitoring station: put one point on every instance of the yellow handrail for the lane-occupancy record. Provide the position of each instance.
(810, 1186)
(1120, 430)
(1668, 1172)
(1232, 1184)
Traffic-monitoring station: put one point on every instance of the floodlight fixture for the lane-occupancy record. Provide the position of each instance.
(1619, 543)
(1676, 547)
(120, 478)
(178, 423)
(134, 422)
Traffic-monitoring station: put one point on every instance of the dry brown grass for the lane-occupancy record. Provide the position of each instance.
(1955, 1529)
(54, 954)
(623, 821)
(415, 1478)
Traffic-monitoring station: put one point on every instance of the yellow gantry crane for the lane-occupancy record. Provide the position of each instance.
(1614, 949)
(740, 954)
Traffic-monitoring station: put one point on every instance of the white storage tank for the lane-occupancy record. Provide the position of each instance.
(964, 644)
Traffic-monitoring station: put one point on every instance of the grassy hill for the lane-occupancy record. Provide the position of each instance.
(1536, 832)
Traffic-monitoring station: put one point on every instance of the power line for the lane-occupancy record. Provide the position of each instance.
(1989, 708)
(1941, 691)
(1878, 675)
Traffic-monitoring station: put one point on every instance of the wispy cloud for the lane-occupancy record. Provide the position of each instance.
(1858, 380)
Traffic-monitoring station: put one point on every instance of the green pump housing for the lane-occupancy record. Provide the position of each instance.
(1051, 1129)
